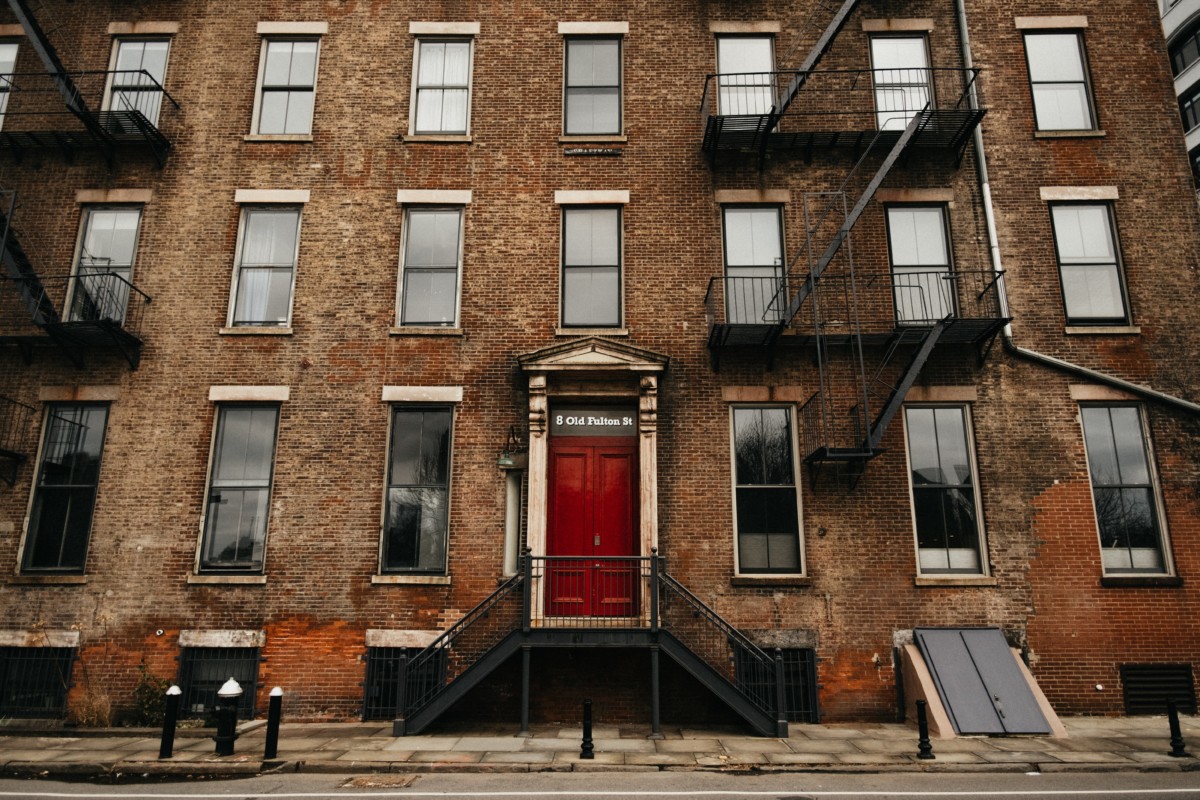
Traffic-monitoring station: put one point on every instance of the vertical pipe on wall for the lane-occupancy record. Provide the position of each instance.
(512, 520)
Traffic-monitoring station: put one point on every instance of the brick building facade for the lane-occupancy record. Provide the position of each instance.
(326, 322)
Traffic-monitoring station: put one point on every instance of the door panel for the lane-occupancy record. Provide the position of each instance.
(592, 515)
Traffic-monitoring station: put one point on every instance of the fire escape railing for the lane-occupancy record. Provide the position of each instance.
(16, 435)
(549, 593)
(98, 296)
(56, 111)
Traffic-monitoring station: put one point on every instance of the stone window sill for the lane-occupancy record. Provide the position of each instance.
(250, 330)
(1141, 582)
(436, 138)
(770, 582)
(955, 581)
(417, 330)
(1102, 330)
(49, 580)
(591, 331)
(1092, 134)
(227, 580)
(286, 138)
(582, 139)
(410, 580)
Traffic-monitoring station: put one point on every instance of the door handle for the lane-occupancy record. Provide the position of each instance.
(596, 541)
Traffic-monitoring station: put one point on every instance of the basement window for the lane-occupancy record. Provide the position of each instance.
(388, 667)
(204, 670)
(34, 681)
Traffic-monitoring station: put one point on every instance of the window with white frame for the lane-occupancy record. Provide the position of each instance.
(746, 80)
(139, 72)
(266, 266)
(430, 267)
(103, 274)
(754, 269)
(903, 85)
(417, 501)
(1059, 81)
(1123, 488)
(1085, 243)
(239, 488)
(591, 267)
(8, 65)
(944, 493)
(766, 499)
(64, 494)
(593, 86)
(920, 254)
(442, 89)
(287, 86)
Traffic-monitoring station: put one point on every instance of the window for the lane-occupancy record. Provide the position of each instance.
(1185, 50)
(287, 87)
(239, 488)
(920, 256)
(765, 498)
(34, 681)
(593, 86)
(1058, 77)
(104, 269)
(900, 70)
(204, 670)
(266, 266)
(591, 279)
(443, 87)
(418, 490)
(140, 70)
(747, 82)
(943, 490)
(431, 264)
(8, 65)
(1123, 489)
(754, 268)
(1189, 107)
(1085, 242)
(64, 496)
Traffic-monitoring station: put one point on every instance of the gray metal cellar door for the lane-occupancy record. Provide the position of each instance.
(981, 685)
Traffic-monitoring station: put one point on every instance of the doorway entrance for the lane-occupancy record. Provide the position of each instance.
(592, 527)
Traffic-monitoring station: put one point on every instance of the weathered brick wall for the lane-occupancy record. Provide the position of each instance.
(323, 538)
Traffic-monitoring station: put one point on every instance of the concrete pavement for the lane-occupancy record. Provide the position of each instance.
(1094, 744)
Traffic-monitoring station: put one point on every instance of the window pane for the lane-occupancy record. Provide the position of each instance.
(303, 70)
(273, 116)
(917, 237)
(1086, 248)
(591, 236)
(922, 446)
(593, 111)
(110, 237)
(264, 297)
(457, 63)
(1059, 82)
(1093, 292)
(299, 112)
(905, 54)
(245, 446)
(752, 237)
(744, 54)
(420, 447)
(8, 57)
(416, 529)
(237, 527)
(429, 297)
(763, 446)
(418, 476)
(240, 486)
(433, 238)
(591, 296)
(1061, 107)
(279, 64)
(746, 84)
(432, 69)
(593, 63)
(952, 445)
(943, 490)
(1083, 234)
(1054, 57)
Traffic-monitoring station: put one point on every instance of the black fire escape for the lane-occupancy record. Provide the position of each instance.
(94, 307)
(871, 332)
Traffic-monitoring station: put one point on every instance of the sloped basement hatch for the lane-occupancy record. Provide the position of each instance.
(983, 688)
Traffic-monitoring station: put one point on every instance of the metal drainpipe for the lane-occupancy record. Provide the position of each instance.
(994, 249)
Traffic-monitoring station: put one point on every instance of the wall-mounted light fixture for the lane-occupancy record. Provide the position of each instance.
(515, 453)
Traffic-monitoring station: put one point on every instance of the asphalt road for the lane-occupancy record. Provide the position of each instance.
(649, 785)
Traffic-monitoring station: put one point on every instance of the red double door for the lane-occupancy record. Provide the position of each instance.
(592, 522)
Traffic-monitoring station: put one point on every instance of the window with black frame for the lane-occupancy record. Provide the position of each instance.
(8, 64)
(432, 263)
(140, 68)
(266, 267)
(765, 494)
(239, 495)
(591, 267)
(1123, 489)
(945, 506)
(1089, 264)
(104, 270)
(34, 681)
(754, 270)
(287, 87)
(418, 491)
(204, 670)
(593, 86)
(1058, 77)
(64, 495)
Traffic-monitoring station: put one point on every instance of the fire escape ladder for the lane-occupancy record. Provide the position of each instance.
(814, 275)
(72, 97)
(823, 43)
(928, 340)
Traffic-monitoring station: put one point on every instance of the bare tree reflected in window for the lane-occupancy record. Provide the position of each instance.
(418, 491)
(768, 522)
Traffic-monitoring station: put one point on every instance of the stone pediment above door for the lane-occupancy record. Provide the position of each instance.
(593, 354)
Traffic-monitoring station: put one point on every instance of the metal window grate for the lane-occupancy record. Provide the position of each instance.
(1148, 687)
(203, 670)
(799, 682)
(386, 667)
(34, 681)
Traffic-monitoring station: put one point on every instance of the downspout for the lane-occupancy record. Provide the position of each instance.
(994, 250)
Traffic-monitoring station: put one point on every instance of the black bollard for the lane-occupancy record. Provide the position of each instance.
(226, 713)
(166, 745)
(924, 748)
(1177, 743)
(587, 751)
(274, 715)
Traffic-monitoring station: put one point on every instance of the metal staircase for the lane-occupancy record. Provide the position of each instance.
(669, 619)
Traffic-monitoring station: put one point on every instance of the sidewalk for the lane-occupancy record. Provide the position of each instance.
(1095, 744)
